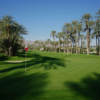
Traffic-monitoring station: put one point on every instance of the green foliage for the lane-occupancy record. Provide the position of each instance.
(74, 31)
(10, 35)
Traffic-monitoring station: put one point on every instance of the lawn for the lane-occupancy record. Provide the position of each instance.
(50, 76)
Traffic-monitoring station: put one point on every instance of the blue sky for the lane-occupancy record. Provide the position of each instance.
(40, 17)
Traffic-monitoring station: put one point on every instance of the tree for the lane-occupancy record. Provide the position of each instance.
(82, 42)
(67, 37)
(53, 35)
(79, 29)
(59, 36)
(88, 26)
(74, 26)
(69, 34)
(11, 35)
(96, 32)
(48, 43)
(64, 41)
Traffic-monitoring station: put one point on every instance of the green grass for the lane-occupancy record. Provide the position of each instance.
(50, 76)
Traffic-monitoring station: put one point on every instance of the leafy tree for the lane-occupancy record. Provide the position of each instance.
(11, 35)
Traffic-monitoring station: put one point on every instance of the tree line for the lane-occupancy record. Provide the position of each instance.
(77, 36)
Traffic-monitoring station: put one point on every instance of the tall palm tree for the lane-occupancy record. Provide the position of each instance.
(82, 41)
(96, 32)
(64, 41)
(74, 25)
(53, 35)
(79, 29)
(67, 37)
(59, 36)
(69, 32)
(98, 29)
(88, 23)
(48, 42)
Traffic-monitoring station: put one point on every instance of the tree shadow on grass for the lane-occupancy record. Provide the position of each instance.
(88, 87)
(23, 54)
(2, 58)
(48, 62)
(41, 61)
(23, 87)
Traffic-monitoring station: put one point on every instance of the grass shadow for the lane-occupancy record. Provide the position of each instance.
(48, 62)
(88, 87)
(19, 86)
(22, 54)
(42, 61)
(2, 58)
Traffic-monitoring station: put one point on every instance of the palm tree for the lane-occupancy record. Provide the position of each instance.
(69, 32)
(67, 37)
(82, 41)
(59, 36)
(11, 33)
(88, 23)
(74, 26)
(79, 29)
(53, 35)
(49, 41)
(98, 29)
(96, 32)
(48, 44)
(98, 36)
(64, 41)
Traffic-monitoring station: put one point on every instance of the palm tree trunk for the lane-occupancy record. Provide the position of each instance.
(99, 45)
(67, 47)
(96, 45)
(59, 45)
(6, 52)
(76, 48)
(71, 47)
(10, 51)
(79, 42)
(54, 45)
(88, 43)
(64, 47)
(81, 51)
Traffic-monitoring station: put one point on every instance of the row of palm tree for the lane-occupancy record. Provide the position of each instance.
(10, 35)
(75, 34)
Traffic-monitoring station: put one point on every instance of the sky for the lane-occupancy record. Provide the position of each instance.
(40, 17)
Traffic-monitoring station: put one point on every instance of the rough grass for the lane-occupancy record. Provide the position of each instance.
(50, 76)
